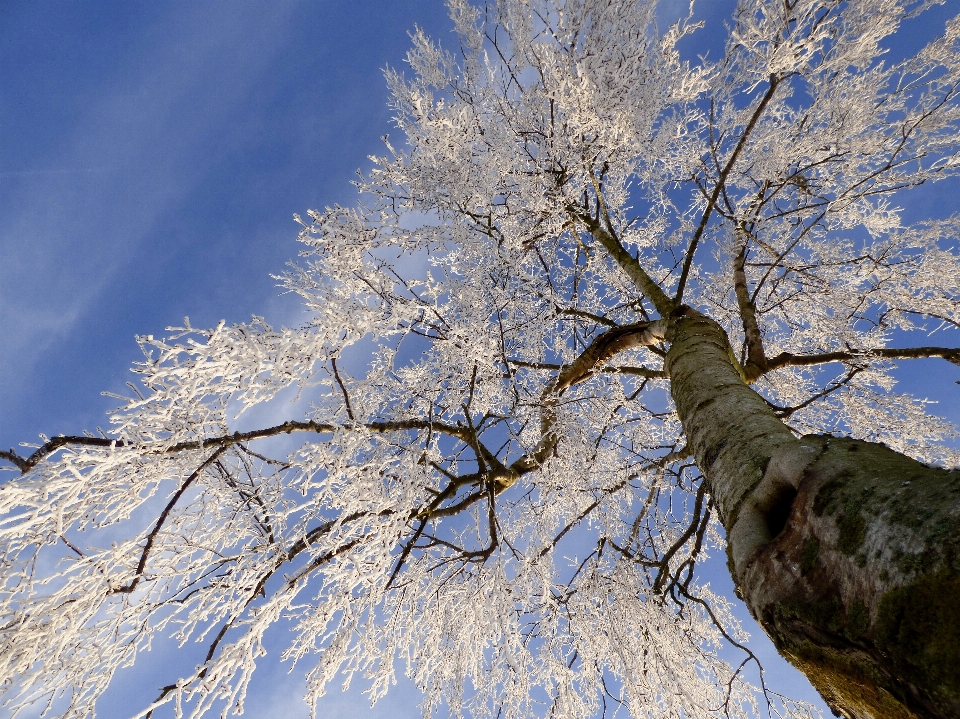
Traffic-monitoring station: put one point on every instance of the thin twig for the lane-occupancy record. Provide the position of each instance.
(346, 397)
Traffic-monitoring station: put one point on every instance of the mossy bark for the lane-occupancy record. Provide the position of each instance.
(846, 552)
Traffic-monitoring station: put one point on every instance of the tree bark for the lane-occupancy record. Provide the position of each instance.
(846, 552)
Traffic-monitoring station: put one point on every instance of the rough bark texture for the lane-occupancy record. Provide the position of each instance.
(846, 552)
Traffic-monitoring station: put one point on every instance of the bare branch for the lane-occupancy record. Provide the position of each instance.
(756, 362)
(787, 359)
(718, 187)
(346, 397)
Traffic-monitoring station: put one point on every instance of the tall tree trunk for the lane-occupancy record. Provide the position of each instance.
(846, 552)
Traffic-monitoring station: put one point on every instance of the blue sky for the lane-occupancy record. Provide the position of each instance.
(151, 158)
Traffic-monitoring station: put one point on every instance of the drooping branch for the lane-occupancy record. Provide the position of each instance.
(151, 538)
(696, 527)
(425, 514)
(249, 498)
(25, 464)
(694, 524)
(302, 544)
(495, 475)
(229, 624)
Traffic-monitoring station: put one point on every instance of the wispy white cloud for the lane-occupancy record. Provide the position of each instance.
(77, 215)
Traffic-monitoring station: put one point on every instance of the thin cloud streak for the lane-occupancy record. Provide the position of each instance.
(78, 237)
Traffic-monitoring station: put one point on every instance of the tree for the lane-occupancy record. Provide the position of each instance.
(619, 302)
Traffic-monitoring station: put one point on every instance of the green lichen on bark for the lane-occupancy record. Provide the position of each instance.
(827, 616)
(824, 503)
(877, 520)
(858, 620)
(808, 559)
(847, 682)
(918, 628)
(853, 530)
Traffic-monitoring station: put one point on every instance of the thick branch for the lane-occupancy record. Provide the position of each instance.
(646, 372)
(787, 359)
(718, 187)
(628, 263)
(646, 284)
(756, 363)
(603, 347)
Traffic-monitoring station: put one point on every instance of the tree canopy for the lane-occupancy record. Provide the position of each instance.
(501, 497)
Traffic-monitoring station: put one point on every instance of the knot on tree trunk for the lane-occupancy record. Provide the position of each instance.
(860, 587)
